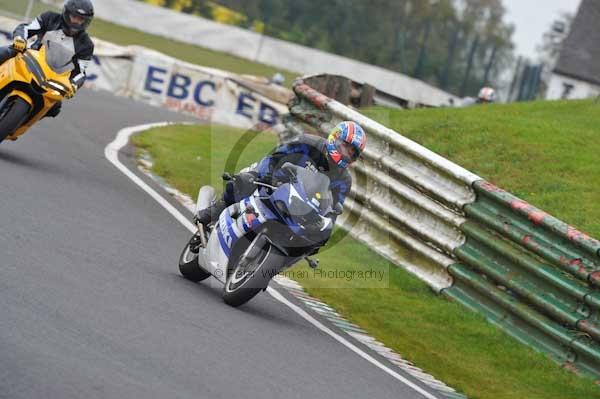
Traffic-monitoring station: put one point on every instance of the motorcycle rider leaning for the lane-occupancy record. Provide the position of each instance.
(330, 156)
(69, 29)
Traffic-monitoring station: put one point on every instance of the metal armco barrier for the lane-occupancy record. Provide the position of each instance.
(533, 275)
(525, 271)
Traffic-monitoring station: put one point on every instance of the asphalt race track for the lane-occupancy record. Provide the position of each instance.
(91, 301)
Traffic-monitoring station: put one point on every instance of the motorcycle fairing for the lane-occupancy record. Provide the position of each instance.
(239, 219)
(29, 77)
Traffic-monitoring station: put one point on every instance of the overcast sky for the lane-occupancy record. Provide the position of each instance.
(532, 18)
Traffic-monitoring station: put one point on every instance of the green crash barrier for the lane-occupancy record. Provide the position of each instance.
(579, 251)
(526, 261)
(535, 268)
(573, 350)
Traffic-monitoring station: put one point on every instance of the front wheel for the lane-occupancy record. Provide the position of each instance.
(188, 264)
(251, 276)
(12, 115)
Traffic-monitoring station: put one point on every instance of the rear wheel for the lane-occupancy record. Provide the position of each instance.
(12, 115)
(188, 263)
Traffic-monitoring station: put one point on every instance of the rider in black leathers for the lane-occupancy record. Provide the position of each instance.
(68, 28)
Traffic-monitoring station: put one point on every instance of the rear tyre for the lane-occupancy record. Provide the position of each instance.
(188, 264)
(252, 276)
(12, 115)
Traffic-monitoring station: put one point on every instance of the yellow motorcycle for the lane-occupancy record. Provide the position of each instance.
(31, 83)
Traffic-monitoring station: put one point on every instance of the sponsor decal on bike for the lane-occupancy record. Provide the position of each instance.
(225, 233)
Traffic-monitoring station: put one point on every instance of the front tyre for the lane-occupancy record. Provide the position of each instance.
(251, 276)
(12, 115)
(188, 264)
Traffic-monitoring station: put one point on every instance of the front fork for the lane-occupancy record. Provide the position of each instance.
(199, 239)
(202, 233)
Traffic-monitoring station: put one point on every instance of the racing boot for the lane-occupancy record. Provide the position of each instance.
(210, 215)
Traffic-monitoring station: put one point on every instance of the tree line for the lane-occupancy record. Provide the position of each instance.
(457, 45)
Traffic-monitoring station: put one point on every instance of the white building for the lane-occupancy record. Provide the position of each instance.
(577, 73)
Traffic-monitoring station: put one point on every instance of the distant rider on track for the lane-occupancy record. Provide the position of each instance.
(67, 29)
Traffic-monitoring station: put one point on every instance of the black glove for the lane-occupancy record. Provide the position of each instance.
(240, 187)
(247, 177)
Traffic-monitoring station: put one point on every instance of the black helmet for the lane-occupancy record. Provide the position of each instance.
(77, 8)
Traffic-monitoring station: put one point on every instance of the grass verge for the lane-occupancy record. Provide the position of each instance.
(453, 344)
(194, 54)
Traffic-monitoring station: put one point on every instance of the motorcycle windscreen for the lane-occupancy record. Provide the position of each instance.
(316, 187)
(307, 210)
(59, 56)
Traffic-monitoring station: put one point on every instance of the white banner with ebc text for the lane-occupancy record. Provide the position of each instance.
(208, 94)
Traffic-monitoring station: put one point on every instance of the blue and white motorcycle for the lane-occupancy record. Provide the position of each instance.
(263, 234)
